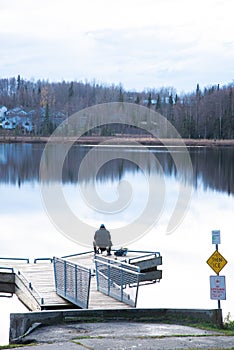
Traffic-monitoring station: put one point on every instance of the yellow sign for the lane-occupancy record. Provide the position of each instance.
(216, 261)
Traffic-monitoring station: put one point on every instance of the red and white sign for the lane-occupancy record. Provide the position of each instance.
(217, 288)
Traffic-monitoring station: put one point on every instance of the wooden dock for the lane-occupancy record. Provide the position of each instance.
(35, 285)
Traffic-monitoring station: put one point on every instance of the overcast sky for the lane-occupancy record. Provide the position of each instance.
(141, 44)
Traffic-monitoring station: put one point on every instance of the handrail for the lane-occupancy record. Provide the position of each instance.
(77, 254)
(21, 259)
(144, 252)
(42, 259)
(30, 286)
(63, 257)
(144, 256)
(7, 295)
(129, 251)
(7, 268)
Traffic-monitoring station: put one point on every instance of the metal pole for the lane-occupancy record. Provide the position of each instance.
(109, 272)
(55, 273)
(76, 284)
(136, 295)
(89, 280)
(121, 283)
(97, 273)
(65, 278)
(219, 303)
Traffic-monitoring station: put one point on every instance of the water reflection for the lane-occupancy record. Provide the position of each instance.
(213, 167)
(26, 230)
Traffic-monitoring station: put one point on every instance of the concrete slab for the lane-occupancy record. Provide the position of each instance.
(125, 335)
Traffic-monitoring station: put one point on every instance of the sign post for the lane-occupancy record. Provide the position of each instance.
(216, 261)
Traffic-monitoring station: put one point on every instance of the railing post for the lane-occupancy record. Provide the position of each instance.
(65, 278)
(137, 288)
(55, 273)
(109, 270)
(121, 284)
(97, 274)
(87, 301)
(76, 287)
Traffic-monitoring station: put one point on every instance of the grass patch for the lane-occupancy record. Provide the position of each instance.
(228, 323)
(178, 336)
(84, 346)
(228, 327)
(226, 330)
(14, 346)
(88, 337)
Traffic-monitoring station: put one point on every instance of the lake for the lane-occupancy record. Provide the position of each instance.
(135, 196)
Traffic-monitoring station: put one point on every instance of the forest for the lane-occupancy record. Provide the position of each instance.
(200, 114)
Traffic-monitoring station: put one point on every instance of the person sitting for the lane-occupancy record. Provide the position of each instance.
(102, 240)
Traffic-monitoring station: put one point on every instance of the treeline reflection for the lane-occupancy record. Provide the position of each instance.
(20, 163)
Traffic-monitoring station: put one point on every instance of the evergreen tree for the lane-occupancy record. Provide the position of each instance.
(137, 101)
(71, 90)
(121, 96)
(171, 112)
(158, 103)
(149, 103)
(171, 100)
(198, 91)
(18, 82)
(48, 126)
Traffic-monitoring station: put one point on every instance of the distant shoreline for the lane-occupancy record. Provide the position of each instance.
(144, 140)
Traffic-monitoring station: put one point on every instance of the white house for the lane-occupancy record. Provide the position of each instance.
(3, 111)
(153, 102)
(8, 124)
(11, 123)
(16, 111)
(27, 125)
(16, 118)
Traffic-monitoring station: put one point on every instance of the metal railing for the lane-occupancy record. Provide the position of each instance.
(42, 259)
(15, 259)
(6, 295)
(145, 255)
(76, 254)
(116, 279)
(7, 268)
(72, 282)
(62, 257)
(32, 289)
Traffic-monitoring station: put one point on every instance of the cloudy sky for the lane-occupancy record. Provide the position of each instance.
(141, 44)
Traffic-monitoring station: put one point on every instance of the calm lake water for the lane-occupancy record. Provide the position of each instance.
(28, 230)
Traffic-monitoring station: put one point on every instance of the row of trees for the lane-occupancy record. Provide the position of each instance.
(199, 114)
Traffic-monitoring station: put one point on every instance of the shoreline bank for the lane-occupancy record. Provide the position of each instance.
(95, 140)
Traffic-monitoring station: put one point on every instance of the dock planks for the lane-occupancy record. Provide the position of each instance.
(42, 294)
